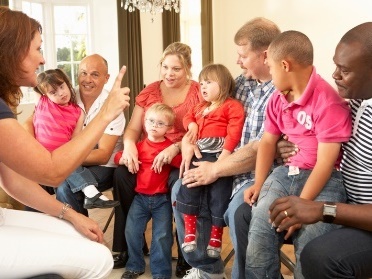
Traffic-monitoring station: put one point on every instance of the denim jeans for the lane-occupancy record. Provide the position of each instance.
(143, 208)
(199, 258)
(218, 194)
(80, 178)
(343, 253)
(229, 216)
(103, 176)
(124, 184)
(262, 259)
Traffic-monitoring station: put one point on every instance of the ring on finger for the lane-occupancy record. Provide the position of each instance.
(285, 213)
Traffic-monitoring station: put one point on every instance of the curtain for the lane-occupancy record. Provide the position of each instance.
(130, 52)
(171, 27)
(207, 31)
(4, 3)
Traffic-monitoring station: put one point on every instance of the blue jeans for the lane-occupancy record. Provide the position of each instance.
(80, 178)
(343, 253)
(262, 259)
(103, 176)
(199, 258)
(143, 208)
(235, 202)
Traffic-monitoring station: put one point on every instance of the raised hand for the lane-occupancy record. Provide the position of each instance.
(118, 99)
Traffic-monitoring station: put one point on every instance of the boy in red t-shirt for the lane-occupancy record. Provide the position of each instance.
(152, 200)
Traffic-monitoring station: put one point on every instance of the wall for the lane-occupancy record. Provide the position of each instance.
(152, 46)
(104, 21)
(324, 22)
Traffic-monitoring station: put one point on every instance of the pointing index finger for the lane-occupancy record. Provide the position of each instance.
(119, 78)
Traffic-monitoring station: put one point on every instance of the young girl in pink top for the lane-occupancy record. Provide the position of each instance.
(216, 126)
(56, 120)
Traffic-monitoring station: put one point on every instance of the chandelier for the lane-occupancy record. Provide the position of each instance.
(152, 6)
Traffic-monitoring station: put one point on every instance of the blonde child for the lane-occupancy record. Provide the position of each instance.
(216, 126)
(152, 200)
(56, 120)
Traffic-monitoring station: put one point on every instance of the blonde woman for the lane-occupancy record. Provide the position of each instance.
(175, 89)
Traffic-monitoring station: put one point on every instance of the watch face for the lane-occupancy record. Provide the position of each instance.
(329, 210)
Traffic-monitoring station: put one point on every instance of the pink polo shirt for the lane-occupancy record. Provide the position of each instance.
(319, 115)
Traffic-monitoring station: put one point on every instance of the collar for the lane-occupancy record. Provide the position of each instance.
(96, 104)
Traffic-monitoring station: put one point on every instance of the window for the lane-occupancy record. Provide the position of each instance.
(66, 38)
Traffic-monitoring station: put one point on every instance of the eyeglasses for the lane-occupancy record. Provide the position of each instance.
(158, 124)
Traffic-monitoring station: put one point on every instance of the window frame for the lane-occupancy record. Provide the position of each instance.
(49, 34)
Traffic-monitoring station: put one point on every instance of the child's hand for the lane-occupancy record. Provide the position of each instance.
(164, 157)
(192, 133)
(129, 158)
(251, 194)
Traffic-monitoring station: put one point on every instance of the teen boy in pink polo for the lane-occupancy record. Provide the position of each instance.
(314, 117)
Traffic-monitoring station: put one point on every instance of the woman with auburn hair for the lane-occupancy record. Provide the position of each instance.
(36, 243)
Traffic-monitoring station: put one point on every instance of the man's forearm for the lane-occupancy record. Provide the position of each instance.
(241, 161)
(354, 215)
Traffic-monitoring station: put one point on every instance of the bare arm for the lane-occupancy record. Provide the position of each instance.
(265, 158)
(240, 161)
(224, 154)
(301, 211)
(31, 194)
(102, 154)
(131, 135)
(326, 158)
(79, 125)
(47, 168)
(28, 125)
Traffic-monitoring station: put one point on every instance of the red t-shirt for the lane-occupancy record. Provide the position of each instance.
(149, 182)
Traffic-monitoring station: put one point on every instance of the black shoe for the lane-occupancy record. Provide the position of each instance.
(131, 274)
(96, 202)
(120, 260)
(181, 267)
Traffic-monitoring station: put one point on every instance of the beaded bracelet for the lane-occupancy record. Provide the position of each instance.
(65, 207)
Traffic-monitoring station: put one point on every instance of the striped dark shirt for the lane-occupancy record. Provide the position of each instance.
(356, 165)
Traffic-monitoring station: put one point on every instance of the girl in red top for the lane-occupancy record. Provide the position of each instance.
(216, 126)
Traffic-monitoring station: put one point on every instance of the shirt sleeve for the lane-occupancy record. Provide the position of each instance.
(334, 123)
(116, 127)
(270, 123)
(235, 114)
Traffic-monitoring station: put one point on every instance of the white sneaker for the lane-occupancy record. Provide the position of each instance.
(196, 273)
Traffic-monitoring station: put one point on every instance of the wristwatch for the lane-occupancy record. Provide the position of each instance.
(329, 212)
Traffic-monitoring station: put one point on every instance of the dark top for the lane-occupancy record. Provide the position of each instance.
(5, 111)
